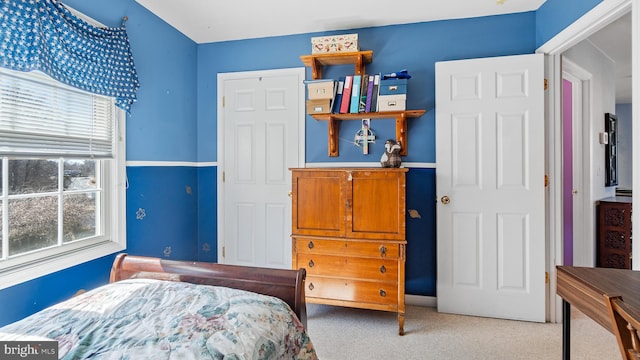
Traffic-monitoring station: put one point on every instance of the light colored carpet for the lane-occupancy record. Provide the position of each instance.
(353, 334)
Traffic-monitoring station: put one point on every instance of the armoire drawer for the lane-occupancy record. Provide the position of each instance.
(349, 267)
(351, 290)
(381, 249)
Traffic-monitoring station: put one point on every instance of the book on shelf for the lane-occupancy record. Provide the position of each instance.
(363, 93)
(334, 94)
(337, 101)
(367, 106)
(346, 94)
(375, 92)
(355, 94)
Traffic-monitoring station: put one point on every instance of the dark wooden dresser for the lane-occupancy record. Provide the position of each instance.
(614, 232)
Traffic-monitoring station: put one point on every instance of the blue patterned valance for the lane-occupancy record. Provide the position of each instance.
(44, 35)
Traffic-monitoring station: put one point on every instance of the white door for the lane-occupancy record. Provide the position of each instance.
(490, 187)
(261, 122)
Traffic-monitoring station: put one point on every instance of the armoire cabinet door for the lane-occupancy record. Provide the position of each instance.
(376, 204)
(318, 203)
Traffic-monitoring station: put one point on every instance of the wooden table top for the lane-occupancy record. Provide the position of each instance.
(585, 288)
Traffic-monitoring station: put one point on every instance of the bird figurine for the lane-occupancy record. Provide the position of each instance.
(391, 157)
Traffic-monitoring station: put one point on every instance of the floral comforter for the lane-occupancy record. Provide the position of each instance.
(152, 319)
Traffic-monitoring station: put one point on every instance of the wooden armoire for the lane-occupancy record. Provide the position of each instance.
(348, 232)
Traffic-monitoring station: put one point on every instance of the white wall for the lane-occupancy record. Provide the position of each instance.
(602, 96)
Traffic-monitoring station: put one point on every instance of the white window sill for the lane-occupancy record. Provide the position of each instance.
(46, 266)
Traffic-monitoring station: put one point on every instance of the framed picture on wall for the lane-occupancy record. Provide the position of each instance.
(611, 150)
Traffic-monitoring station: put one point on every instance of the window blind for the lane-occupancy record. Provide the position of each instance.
(40, 116)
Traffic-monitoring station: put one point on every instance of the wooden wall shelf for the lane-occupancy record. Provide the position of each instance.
(401, 125)
(317, 61)
(359, 59)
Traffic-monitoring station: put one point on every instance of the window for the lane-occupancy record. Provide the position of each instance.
(62, 176)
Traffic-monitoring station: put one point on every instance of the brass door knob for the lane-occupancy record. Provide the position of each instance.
(445, 200)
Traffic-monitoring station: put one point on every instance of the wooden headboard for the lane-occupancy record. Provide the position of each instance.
(287, 285)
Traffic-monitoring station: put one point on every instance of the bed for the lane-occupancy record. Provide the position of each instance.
(167, 309)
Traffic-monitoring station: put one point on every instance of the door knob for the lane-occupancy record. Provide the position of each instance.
(445, 200)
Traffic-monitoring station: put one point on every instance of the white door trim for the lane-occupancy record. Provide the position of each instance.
(222, 77)
(601, 15)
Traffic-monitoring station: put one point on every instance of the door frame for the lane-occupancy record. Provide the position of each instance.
(300, 72)
(583, 253)
(597, 18)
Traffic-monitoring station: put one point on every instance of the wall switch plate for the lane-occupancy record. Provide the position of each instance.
(604, 138)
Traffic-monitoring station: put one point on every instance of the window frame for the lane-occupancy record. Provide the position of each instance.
(36, 264)
(45, 262)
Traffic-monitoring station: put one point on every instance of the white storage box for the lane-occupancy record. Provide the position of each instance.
(319, 106)
(392, 102)
(321, 89)
(333, 44)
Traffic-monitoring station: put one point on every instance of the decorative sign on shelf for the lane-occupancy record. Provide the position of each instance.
(364, 136)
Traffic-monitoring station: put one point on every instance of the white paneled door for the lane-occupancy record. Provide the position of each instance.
(490, 187)
(261, 142)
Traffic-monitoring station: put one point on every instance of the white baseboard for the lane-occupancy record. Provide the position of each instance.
(420, 300)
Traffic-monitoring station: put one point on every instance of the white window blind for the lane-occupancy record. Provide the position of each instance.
(40, 116)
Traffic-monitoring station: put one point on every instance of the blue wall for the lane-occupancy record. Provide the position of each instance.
(175, 120)
(555, 15)
(624, 113)
(161, 127)
(415, 47)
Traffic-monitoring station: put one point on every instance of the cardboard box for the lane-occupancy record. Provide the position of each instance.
(393, 86)
(392, 102)
(318, 106)
(333, 44)
(321, 89)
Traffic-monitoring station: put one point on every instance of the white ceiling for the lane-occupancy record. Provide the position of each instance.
(212, 21)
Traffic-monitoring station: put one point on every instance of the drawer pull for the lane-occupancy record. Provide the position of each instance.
(311, 263)
(383, 269)
(310, 244)
(383, 293)
(383, 251)
(311, 286)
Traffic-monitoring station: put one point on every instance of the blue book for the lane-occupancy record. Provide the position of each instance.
(355, 94)
(338, 98)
